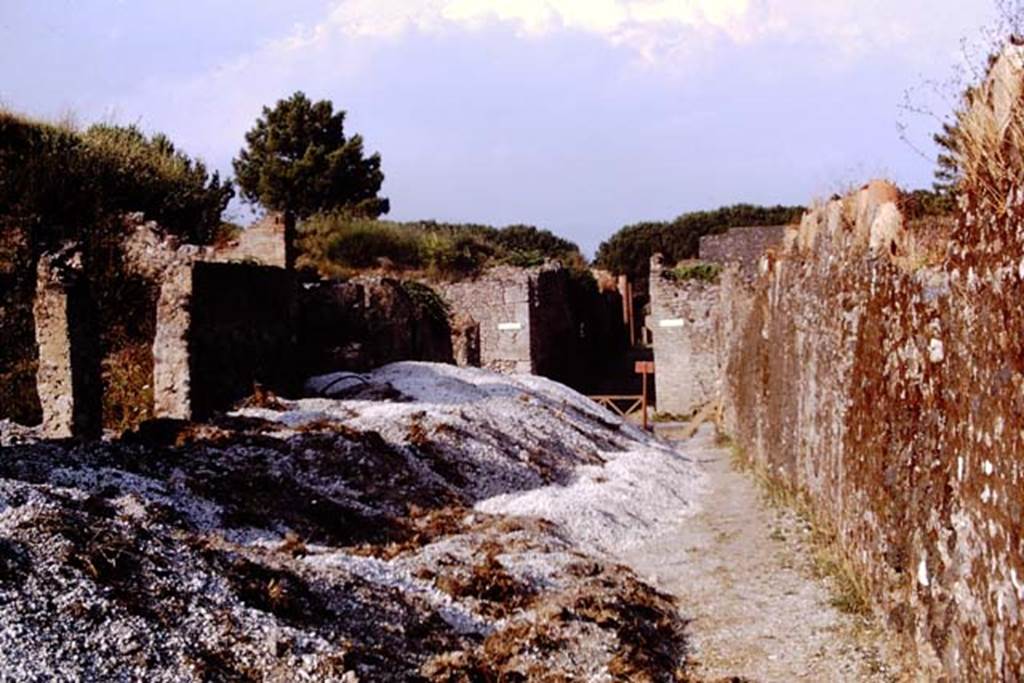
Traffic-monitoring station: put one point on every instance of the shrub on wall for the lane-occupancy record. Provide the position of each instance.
(699, 272)
(628, 252)
(339, 244)
(58, 183)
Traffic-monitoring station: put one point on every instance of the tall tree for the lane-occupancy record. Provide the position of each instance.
(298, 160)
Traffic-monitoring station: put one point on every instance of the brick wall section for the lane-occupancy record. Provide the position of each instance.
(744, 246)
(221, 328)
(890, 394)
(524, 317)
(683, 326)
(68, 377)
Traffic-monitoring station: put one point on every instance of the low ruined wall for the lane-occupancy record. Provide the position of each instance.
(744, 246)
(524, 318)
(368, 322)
(270, 242)
(891, 394)
(683, 323)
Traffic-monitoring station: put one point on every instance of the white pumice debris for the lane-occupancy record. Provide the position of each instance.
(463, 525)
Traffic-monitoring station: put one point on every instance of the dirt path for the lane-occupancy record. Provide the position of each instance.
(742, 572)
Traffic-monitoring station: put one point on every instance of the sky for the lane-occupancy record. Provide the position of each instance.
(579, 116)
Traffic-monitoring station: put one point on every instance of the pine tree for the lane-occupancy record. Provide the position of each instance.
(298, 160)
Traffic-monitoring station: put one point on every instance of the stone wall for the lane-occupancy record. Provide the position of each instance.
(18, 353)
(525, 322)
(221, 329)
(367, 322)
(270, 242)
(68, 376)
(683, 326)
(743, 246)
(889, 392)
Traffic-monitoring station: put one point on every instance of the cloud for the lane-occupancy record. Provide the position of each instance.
(658, 30)
(636, 23)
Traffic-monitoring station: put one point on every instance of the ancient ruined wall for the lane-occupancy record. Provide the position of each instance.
(744, 246)
(890, 392)
(523, 314)
(68, 377)
(270, 242)
(683, 325)
(368, 322)
(222, 328)
(552, 337)
(18, 354)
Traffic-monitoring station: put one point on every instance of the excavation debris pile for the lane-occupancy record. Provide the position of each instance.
(362, 538)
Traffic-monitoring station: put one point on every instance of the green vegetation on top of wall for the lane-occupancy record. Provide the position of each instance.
(339, 244)
(60, 183)
(701, 272)
(430, 304)
(629, 250)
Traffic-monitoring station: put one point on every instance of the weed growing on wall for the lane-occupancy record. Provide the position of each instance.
(695, 272)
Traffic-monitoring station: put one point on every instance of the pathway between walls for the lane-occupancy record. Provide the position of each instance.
(742, 572)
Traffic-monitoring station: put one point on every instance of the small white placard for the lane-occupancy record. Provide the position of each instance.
(674, 322)
(509, 327)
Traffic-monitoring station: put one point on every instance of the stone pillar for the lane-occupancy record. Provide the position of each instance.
(68, 378)
(172, 378)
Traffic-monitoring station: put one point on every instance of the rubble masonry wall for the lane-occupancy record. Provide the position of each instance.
(525, 324)
(683, 326)
(890, 393)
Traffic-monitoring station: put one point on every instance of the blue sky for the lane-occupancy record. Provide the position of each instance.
(575, 115)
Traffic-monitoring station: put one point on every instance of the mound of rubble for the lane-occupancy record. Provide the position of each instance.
(433, 523)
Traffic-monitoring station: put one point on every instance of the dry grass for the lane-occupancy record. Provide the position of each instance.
(989, 136)
(849, 584)
(128, 387)
(500, 594)
(262, 397)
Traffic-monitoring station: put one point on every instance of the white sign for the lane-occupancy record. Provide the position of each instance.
(675, 322)
(509, 327)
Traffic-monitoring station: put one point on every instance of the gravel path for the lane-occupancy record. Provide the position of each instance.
(743, 576)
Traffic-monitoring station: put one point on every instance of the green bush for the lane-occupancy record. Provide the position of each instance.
(61, 183)
(361, 244)
(701, 272)
(629, 251)
(340, 244)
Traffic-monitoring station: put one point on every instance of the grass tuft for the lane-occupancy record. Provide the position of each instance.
(850, 585)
